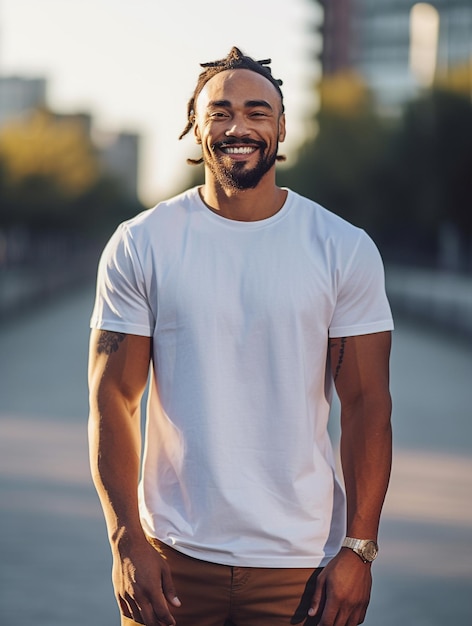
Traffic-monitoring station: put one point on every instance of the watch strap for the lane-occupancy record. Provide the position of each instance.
(354, 544)
(366, 549)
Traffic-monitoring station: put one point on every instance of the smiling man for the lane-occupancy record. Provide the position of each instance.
(246, 132)
(250, 304)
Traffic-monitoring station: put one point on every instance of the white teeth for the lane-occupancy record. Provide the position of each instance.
(242, 150)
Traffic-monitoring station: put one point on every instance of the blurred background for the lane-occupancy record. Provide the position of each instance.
(379, 113)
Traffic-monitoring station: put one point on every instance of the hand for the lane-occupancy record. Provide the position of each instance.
(342, 591)
(143, 583)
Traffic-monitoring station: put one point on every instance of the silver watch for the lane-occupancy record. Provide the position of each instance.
(367, 549)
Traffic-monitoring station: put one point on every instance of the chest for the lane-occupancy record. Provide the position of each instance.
(242, 281)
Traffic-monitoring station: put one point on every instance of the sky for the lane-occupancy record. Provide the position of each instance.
(134, 64)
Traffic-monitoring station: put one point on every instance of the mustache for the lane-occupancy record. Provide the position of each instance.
(233, 141)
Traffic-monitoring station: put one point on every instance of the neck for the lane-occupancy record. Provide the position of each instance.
(247, 205)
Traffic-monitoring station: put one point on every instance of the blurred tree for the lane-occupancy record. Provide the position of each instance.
(457, 78)
(50, 177)
(429, 177)
(47, 163)
(42, 146)
(344, 94)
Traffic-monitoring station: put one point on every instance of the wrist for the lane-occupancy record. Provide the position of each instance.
(366, 549)
(125, 535)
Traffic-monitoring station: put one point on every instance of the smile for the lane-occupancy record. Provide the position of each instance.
(238, 150)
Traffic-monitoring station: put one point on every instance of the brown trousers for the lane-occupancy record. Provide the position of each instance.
(222, 595)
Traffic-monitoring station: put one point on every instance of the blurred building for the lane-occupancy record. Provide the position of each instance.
(83, 120)
(397, 46)
(118, 151)
(19, 95)
(337, 54)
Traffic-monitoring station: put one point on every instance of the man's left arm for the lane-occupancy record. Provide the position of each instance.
(360, 368)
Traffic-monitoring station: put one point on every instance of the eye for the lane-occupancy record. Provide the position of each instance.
(217, 115)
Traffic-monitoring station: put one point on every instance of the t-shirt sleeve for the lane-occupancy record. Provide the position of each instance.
(121, 302)
(362, 306)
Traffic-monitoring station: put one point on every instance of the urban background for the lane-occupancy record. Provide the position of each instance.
(388, 147)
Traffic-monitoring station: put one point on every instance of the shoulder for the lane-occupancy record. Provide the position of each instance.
(327, 221)
(165, 211)
(325, 228)
(157, 224)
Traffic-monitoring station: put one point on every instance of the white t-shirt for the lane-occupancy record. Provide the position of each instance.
(238, 465)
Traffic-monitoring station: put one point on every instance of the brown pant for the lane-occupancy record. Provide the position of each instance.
(222, 595)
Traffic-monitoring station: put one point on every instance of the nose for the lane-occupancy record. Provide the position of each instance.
(237, 129)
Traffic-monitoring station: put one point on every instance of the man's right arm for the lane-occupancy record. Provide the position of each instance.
(118, 373)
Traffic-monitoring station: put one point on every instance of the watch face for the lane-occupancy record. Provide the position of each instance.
(370, 550)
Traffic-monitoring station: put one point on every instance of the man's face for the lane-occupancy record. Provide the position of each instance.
(239, 123)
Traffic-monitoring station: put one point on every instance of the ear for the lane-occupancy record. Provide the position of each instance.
(282, 128)
(196, 131)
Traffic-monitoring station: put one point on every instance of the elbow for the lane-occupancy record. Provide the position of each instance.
(373, 408)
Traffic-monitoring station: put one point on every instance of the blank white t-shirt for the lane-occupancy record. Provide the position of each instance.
(238, 467)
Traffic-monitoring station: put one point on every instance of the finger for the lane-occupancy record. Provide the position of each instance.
(134, 609)
(125, 608)
(350, 616)
(353, 615)
(362, 617)
(157, 608)
(128, 607)
(318, 597)
(168, 589)
(163, 616)
(343, 620)
(153, 611)
(330, 617)
(149, 617)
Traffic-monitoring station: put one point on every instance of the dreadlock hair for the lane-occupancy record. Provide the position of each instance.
(235, 60)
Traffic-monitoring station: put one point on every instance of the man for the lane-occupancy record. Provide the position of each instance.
(247, 301)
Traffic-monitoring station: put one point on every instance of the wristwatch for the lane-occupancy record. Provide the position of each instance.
(367, 549)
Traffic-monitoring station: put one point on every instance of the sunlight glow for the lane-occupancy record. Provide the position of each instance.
(424, 33)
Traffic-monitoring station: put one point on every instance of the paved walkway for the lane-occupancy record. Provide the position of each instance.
(443, 298)
(54, 566)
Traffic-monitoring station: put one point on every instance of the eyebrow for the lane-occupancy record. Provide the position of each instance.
(257, 103)
(250, 104)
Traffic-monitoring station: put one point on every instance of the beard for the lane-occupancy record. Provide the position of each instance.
(236, 175)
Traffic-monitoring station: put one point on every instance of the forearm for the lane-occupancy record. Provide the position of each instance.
(118, 372)
(115, 446)
(366, 455)
(343, 588)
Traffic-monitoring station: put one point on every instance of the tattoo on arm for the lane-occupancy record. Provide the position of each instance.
(340, 356)
(109, 342)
